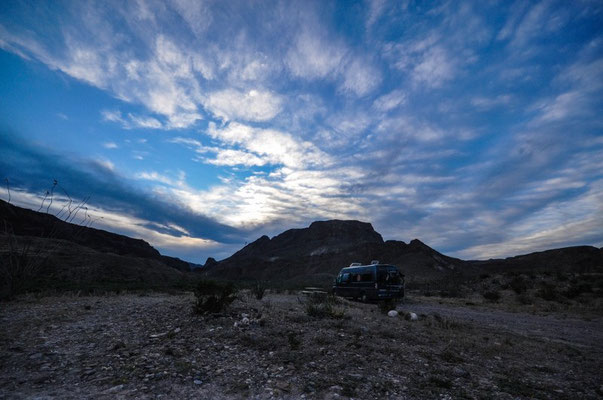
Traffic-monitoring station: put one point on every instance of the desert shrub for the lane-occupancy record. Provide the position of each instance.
(441, 382)
(258, 290)
(213, 297)
(294, 342)
(454, 292)
(387, 305)
(444, 323)
(492, 295)
(518, 284)
(323, 307)
(576, 290)
(548, 292)
(525, 299)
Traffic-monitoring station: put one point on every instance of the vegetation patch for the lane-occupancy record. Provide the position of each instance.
(213, 297)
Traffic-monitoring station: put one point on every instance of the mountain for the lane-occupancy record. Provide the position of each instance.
(65, 255)
(578, 259)
(24, 222)
(314, 255)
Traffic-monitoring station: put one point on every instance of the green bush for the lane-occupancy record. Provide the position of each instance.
(213, 297)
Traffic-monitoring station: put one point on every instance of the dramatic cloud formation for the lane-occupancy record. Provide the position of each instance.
(198, 126)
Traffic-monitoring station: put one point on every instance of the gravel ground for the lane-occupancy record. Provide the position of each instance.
(153, 346)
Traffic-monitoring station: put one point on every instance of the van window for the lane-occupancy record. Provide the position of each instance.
(345, 277)
(366, 277)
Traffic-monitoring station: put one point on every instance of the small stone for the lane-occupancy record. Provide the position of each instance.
(459, 372)
(197, 381)
(177, 330)
(115, 389)
(411, 316)
(392, 313)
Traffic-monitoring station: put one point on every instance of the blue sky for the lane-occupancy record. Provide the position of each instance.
(202, 125)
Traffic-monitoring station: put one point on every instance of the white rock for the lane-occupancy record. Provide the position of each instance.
(245, 321)
(392, 313)
(411, 316)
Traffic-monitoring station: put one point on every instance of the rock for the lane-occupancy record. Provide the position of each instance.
(115, 389)
(411, 316)
(177, 330)
(392, 313)
(459, 372)
(198, 382)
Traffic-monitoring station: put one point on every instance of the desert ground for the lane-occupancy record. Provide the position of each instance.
(152, 345)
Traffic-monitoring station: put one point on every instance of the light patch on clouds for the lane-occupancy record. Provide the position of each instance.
(253, 105)
(230, 157)
(275, 147)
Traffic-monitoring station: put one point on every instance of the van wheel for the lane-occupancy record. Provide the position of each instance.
(363, 298)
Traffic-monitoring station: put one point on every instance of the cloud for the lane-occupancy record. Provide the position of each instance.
(131, 121)
(434, 68)
(314, 55)
(361, 78)
(487, 103)
(273, 146)
(376, 9)
(390, 100)
(107, 190)
(254, 105)
(444, 122)
(110, 145)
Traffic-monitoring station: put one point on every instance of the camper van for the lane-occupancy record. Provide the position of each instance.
(369, 282)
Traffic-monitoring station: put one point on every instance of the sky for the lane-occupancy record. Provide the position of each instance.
(199, 126)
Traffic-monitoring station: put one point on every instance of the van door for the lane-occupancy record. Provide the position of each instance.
(390, 281)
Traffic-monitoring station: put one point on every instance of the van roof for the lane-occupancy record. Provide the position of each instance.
(368, 265)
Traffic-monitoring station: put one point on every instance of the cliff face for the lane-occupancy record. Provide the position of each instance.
(316, 254)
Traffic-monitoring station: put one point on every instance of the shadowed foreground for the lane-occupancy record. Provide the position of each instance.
(133, 346)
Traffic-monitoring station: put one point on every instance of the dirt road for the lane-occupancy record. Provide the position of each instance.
(573, 331)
